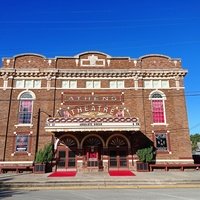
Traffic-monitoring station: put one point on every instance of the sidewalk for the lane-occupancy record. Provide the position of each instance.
(100, 180)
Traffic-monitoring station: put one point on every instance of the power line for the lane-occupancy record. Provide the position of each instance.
(134, 96)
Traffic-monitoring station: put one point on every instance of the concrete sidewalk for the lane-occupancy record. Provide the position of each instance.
(100, 180)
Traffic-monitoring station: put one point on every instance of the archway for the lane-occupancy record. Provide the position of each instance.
(66, 152)
(92, 148)
(118, 151)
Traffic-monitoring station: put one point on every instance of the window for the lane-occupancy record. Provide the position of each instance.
(158, 112)
(69, 84)
(25, 108)
(116, 84)
(19, 84)
(28, 83)
(156, 84)
(164, 84)
(93, 84)
(147, 84)
(161, 142)
(22, 143)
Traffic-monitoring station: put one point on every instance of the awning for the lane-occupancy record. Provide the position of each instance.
(92, 124)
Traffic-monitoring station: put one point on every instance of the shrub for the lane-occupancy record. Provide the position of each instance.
(145, 154)
(44, 155)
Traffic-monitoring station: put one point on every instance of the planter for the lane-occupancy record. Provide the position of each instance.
(48, 167)
(142, 167)
(39, 168)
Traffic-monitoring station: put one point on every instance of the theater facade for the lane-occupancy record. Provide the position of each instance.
(97, 110)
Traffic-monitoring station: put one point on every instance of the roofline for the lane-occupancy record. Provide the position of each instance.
(29, 54)
(151, 55)
(88, 52)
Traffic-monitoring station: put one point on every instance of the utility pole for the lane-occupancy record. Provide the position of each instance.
(37, 132)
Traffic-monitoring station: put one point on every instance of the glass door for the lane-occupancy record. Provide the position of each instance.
(118, 158)
(113, 158)
(71, 159)
(92, 156)
(61, 163)
(66, 158)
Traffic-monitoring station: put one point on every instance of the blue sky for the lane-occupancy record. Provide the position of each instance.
(116, 27)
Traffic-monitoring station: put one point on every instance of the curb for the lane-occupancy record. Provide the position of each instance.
(92, 185)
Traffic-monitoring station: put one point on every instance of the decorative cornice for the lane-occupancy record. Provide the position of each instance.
(115, 73)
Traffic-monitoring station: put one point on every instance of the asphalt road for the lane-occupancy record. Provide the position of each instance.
(111, 194)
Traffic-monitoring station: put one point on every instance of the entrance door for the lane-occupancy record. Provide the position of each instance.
(92, 151)
(92, 156)
(118, 151)
(62, 155)
(118, 158)
(66, 158)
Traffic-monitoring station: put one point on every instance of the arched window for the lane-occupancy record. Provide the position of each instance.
(25, 108)
(158, 107)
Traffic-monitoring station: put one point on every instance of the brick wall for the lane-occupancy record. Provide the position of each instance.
(135, 100)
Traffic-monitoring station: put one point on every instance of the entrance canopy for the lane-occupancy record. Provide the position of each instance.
(92, 124)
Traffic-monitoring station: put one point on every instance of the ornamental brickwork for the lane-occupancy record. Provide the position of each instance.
(97, 106)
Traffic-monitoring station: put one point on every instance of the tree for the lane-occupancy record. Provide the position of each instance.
(194, 139)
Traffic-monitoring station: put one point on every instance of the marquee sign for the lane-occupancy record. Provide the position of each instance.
(97, 124)
(91, 110)
(77, 98)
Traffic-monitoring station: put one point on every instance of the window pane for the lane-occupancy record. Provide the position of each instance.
(26, 95)
(21, 143)
(161, 142)
(156, 96)
(89, 84)
(25, 112)
(28, 83)
(148, 84)
(73, 84)
(97, 84)
(165, 84)
(37, 84)
(158, 111)
(65, 84)
(113, 84)
(120, 84)
(156, 84)
(19, 83)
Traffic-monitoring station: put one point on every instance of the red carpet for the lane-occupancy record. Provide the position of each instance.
(62, 174)
(121, 173)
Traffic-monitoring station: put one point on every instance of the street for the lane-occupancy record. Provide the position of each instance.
(105, 194)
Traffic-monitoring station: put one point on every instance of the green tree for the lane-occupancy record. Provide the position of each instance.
(194, 139)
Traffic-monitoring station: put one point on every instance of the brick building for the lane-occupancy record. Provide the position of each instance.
(96, 109)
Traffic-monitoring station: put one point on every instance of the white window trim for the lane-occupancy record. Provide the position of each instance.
(33, 98)
(24, 82)
(24, 152)
(151, 81)
(92, 83)
(164, 109)
(167, 139)
(69, 82)
(117, 84)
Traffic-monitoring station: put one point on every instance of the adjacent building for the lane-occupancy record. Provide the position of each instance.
(96, 109)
